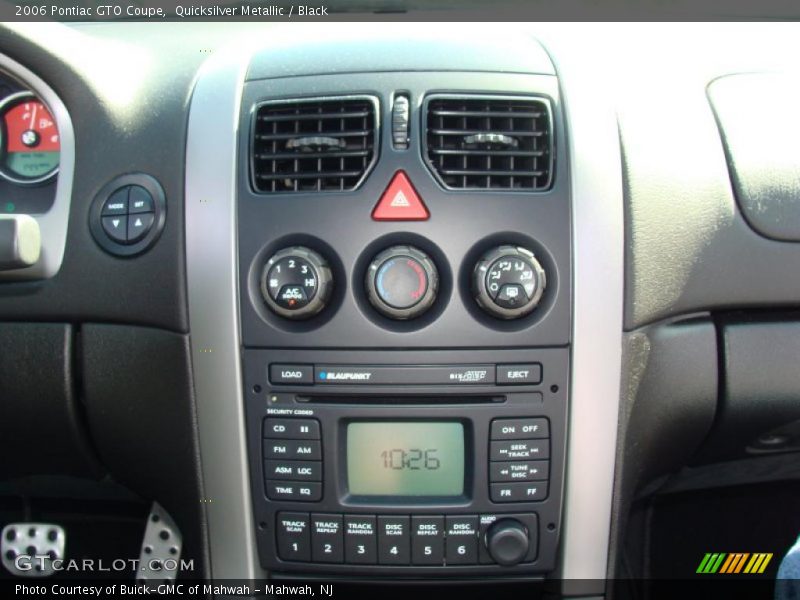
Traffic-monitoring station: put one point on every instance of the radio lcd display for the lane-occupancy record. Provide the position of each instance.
(423, 459)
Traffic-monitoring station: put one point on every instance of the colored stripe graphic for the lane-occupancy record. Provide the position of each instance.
(734, 563)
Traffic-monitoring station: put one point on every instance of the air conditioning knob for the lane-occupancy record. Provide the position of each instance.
(296, 283)
(402, 282)
(507, 542)
(508, 282)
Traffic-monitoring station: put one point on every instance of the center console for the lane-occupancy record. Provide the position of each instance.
(405, 303)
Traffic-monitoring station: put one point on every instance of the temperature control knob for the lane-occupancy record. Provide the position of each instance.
(402, 282)
(296, 283)
(508, 282)
(507, 542)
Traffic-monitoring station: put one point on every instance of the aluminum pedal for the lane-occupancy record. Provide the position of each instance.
(29, 549)
(161, 547)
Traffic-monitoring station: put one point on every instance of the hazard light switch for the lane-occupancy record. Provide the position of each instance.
(400, 202)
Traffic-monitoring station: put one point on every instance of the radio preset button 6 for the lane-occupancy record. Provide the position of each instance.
(327, 540)
(293, 537)
(427, 540)
(292, 449)
(462, 540)
(360, 539)
(519, 450)
(518, 492)
(293, 470)
(291, 429)
(520, 429)
(394, 540)
(295, 374)
(531, 470)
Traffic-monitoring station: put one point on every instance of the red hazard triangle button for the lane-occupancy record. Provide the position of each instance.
(400, 202)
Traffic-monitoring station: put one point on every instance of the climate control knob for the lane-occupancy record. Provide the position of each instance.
(507, 542)
(508, 282)
(296, 283)
(402, 282)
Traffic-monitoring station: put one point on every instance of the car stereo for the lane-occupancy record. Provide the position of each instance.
(407, 463)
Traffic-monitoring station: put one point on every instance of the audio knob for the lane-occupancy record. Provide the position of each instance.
(507, 542)
(402, 282)
(296, 283)
(508, 282)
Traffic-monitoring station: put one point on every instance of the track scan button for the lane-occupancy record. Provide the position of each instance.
(297, 374)
(293, 536)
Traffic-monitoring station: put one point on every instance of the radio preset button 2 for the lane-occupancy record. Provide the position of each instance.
(327, 539)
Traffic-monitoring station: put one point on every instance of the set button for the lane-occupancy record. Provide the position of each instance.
(128, 214)
(519, 468)
(292, 452)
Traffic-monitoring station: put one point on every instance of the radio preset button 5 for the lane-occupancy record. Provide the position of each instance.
(293, 537)
(394, 540)
(519, 450)
(427, 540)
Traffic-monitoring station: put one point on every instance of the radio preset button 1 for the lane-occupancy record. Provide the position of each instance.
(427, 540)
(462, 540)
(519, 450)
(519, 374)
(294, 490)
(531, 470)
(360, 539)
(327, 540)
(292, 449)
(294, 374)
(394, 540)
(520, 429)
(291, 429)
(293, 470)
(293, 536)
(518, 492)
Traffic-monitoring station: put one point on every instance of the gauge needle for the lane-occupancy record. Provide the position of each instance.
(33, 116)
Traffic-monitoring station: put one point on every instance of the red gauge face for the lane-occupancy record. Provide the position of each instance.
(32, 146)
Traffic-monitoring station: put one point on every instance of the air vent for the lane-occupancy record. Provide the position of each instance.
(315, 145)
(490, 142)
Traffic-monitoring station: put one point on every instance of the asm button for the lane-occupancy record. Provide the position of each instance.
(293, 470)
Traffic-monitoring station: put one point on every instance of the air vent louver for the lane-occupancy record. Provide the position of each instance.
(490, 142)
(314, 145)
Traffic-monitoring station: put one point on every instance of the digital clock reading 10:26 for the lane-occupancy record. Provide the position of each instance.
(405, 458)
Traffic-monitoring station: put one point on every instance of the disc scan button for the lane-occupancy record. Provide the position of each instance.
(297, 374)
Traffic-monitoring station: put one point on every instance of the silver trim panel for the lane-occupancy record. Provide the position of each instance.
(212, 282)
(598, 273)
(52, 224)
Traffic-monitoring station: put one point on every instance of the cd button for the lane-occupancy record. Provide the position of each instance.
(291, 429)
